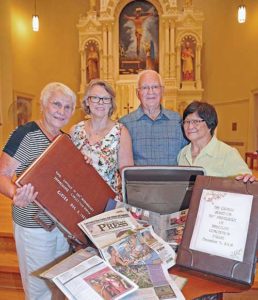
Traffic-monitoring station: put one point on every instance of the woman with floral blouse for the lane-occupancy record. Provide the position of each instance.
(106, 144)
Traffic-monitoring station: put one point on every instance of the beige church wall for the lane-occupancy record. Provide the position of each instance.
(33, 59)
(230, 65)
(5, 71)
(50, 54)
(233, 125)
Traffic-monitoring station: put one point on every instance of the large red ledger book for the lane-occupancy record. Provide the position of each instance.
(69, 189)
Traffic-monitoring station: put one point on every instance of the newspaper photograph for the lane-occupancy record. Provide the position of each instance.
(109, 227)
(154, 281)
(175, 228)
(141, 247)
(169, 227)
(141, 215)
(94, 279)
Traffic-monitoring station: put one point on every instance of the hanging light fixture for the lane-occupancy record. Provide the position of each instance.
(241, 14)
(35, 20)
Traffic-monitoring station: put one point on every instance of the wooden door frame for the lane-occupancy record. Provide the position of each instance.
(252, 128)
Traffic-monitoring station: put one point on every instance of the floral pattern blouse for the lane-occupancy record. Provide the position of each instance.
(104, 153)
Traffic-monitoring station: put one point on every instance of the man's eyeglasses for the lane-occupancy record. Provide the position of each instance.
(97, 99)
(146, 88)
(193, 122)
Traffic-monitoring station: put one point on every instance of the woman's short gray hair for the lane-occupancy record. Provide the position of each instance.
(108, 89)
(53, 87)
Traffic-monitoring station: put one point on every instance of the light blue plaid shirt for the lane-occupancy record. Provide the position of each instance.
(155, 142)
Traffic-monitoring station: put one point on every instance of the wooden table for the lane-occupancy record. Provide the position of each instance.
(199, 285)
(250, 157)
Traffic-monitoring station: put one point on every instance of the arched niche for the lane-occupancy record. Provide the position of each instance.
(138, 38)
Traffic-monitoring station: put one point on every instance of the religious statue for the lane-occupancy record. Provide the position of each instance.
(149, 50)
(187, 3)
(187, 57)
(92, 5)
(138, 20)
(92, 64)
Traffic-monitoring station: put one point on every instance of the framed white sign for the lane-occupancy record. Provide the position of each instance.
(222, 224)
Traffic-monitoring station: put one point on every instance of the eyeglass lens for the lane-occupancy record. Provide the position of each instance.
(97, 99)
(193, 122)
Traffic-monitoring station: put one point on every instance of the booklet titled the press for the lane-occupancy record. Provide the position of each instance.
(121, 240)
(94, 279)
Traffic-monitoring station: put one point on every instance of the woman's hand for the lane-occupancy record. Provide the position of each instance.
(87, 159)
(246, 177)
(24, 195)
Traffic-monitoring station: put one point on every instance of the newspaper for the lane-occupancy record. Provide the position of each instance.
(134, 251)
(175, 228)
(109, 227)
(94, 279)
(69, 262)
(154, 281)
(152, 285)
(121, 239)
(179, 280)
(169, 227)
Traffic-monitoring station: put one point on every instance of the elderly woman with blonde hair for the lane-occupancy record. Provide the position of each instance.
(35, 246)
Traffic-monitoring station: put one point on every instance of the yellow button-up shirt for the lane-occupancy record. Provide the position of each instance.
(217, 158)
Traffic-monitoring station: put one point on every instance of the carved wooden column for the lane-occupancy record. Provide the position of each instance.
(166, 62)
(83, 69)
(172, 50)
(110, 52)
(178, 65)
(105, 52)
(198, 67)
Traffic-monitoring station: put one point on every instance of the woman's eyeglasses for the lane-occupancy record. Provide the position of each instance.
(58, 106)
(193, 122)
(97, 99)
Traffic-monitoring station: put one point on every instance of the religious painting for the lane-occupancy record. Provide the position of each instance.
(92, 60)
(22, 108)
(138, 38)
(188, 47)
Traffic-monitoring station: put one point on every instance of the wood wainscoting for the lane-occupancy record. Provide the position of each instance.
(10, 279)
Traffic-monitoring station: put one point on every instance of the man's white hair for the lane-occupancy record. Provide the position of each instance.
(147, 72)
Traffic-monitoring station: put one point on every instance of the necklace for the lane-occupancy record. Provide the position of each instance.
(50, 135)
(96, 135)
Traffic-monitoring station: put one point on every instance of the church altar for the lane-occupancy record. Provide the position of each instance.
(118, 39)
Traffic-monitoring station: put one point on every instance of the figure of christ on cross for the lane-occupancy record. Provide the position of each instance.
(138, 20)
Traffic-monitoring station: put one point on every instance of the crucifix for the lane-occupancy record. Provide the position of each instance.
(128, 107)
